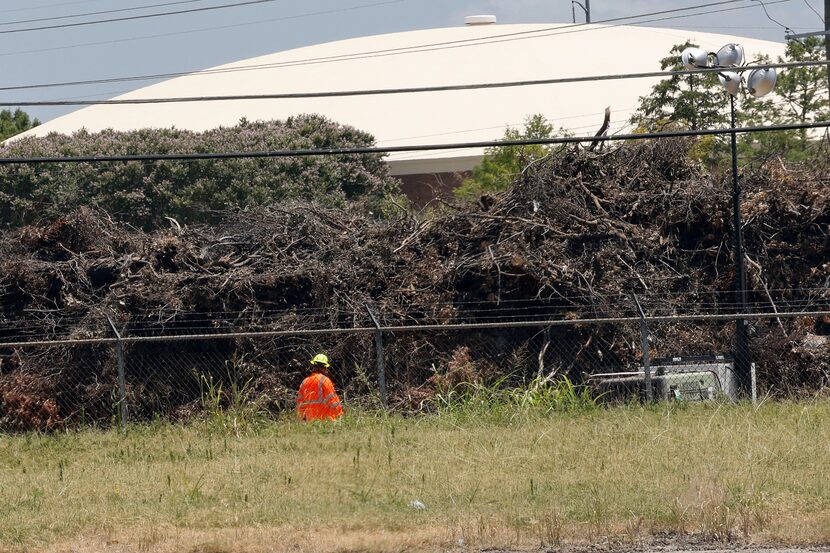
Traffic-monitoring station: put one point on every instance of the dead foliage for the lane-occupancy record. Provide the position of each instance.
(577, 233)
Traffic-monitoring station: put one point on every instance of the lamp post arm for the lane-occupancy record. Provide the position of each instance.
(796, 36)
(586, 7)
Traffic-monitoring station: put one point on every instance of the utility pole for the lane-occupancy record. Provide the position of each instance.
(827, 41)
(586, 7)
(742, 360)
(588, 11)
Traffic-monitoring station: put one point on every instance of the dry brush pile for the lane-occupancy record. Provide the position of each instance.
(576, 234)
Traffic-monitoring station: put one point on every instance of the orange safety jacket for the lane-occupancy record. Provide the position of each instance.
(317, 399)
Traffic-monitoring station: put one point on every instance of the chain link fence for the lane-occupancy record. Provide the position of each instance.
(126, 377)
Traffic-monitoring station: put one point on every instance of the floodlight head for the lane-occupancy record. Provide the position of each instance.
(731, 55)
(730, 81)
(761, 81)
(694, 58)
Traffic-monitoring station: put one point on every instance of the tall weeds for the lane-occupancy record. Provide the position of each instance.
(540, 396)
(229, 404)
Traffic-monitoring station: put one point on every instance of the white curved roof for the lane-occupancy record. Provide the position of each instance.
(531, 52)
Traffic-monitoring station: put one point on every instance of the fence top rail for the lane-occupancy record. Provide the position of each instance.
(413, 328)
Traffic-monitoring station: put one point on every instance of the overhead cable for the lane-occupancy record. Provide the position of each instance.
(409, 90)
(620, 126)
(764, 6)
(202, 29)
(47, 6)
(367, 150)
(101, 12)
(814, 10)
(134, 17)
(478, 41)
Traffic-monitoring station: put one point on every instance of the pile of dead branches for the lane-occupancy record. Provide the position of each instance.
(575, 237)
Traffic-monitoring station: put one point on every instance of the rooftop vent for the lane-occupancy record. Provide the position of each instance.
(480, 20)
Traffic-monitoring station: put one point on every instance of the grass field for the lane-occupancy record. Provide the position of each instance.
(515, 479)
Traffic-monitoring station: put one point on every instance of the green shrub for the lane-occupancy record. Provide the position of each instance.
(144, 194)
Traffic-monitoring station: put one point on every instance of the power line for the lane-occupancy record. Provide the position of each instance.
(203, 29)
(553, 120)
(368, 150)
(486, 38)
(48, 6)
(134, 17)
(562, 32)
(809, 5)
(518, 35)
(409, 90)
(728, 27)
(101, 12)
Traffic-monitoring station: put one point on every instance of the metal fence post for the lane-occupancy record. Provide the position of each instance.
(645, 346)
(122, 385)
(380, 358)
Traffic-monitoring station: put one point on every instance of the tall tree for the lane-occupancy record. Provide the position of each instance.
(699, 102)
(682, 101)
(501, 164)
(804, 89)
(800, 97)
(12, 123)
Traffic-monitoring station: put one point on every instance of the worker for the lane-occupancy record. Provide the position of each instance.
(317, 399)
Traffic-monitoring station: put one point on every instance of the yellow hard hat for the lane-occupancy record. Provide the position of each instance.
(320, 359)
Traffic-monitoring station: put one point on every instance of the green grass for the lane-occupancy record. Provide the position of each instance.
(493, 476)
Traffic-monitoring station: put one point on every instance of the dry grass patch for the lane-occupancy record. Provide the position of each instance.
(518, 479)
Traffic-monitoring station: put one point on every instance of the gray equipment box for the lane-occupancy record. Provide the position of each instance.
(695, 378)
(675, 378)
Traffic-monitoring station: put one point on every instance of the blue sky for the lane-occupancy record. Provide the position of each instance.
(198, 40)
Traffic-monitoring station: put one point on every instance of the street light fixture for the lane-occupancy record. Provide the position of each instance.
(760, 82)
(731, 81)
(694, 58)
(731, 55)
